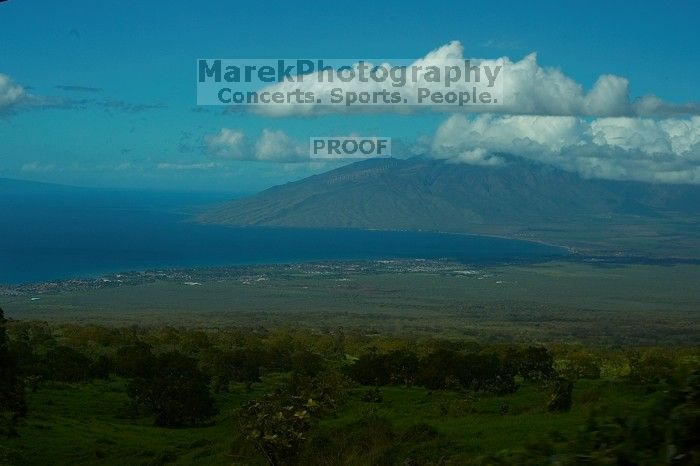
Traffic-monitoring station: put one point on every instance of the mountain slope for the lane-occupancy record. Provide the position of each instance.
(520, 199)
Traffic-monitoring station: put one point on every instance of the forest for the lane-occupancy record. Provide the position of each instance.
(94, 394)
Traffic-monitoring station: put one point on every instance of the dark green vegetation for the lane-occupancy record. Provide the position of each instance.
(12, 403)
(367, 363)
(519, 200)
(588, 303)
(108, 395)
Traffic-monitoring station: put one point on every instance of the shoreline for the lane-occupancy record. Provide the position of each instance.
(192, 274)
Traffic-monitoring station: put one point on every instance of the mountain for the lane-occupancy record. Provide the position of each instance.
(13, 186)
(521, 199)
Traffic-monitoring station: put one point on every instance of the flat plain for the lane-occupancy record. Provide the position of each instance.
(592, 302)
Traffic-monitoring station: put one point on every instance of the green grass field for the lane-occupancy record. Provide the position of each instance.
(83, 424)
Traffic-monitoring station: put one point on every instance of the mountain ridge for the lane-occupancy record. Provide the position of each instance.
(523, 199)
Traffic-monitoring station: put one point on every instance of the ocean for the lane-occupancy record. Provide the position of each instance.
(52, 232)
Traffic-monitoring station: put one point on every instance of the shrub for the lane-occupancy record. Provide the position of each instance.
(64, 364)
(371, 369)
(175, 391)
(277, 425)
(135, 360)
(12, 402)
(650, 367)
(402, 366)
(439, 368)
(560, 399)
(304, 362)
(239, 365)
(531, 363)
(474, 371)
(372, 395)
(581, 365)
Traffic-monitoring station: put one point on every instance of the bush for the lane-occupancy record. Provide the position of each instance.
(371, 369)
(531, 363)
(650, 367)
(135, 360)
(64, 364)
(437, 369)
(304, 362)
(240, 365)
(175, 391)
(101, 367)
(372, 395)
(560, 399)
(12, 403)
(581, 365)
(277, 425)
(368, 441)
(402, 366)
(445, 369)
(665, 432)
(328, 389)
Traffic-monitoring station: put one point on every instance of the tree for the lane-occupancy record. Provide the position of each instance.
(306, 363)
(402, 365)
(65, 364)
(440, 369)
(135, 360)
(240, 365)
(532, 363)
(224, 367)
(175, 391)
(581, 365)
(650, 367)
(560, 400)
(277, 425)
(12, 403)
(370, 369)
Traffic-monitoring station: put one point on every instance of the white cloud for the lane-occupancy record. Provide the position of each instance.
(187, 166)
(227, 143)
(276, 146)
(37, 167)
(11, 94)
(271, 146)
(616, 147)
(124, 166)
(476, 156)
(652, 106)
(528, 89)
(13, 97)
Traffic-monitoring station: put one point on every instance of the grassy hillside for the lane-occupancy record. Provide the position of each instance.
(341, 398)
(83, 424)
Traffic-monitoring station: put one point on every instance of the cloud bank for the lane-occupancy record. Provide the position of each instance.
(624, 148)
(621, 148)
(529, 89)
(14, 97)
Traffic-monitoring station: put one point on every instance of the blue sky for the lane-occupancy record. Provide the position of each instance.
(127, 69)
